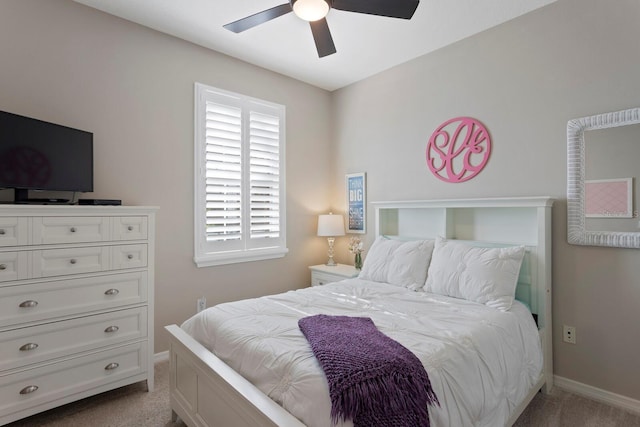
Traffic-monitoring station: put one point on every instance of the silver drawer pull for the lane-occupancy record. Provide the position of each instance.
(111, 291)
(29, 389)
(111, 366)
(3, 266)
(111, 329)
(72, 229)
(130, 228)
(28, 304)
(29, 347)
(129, 256)
(73, 260)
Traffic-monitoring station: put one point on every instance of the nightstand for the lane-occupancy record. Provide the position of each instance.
(323, 274)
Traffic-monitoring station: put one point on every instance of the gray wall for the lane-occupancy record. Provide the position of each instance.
(133, 88)
(524, 80)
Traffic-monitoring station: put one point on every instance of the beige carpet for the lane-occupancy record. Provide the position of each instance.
(132, 406)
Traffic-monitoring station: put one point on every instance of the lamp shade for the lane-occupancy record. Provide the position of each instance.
(330, 225)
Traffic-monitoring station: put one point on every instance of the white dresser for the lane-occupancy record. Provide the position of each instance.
(76, 303)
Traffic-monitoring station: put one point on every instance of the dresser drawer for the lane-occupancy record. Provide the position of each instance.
(21, 347)
(128, 256)
(129, 228)
(56, 298)
(13, 231)
(59, 262)
(57, 381)
(13, 266)
(69, 229)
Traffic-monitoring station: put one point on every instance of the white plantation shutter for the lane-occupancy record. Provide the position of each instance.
(223, 173)
(264, 181)
(239, 191)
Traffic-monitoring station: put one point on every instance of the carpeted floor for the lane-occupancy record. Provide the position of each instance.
(132, 406)
(563, 409)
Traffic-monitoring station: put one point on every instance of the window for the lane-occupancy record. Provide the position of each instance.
(239, 178)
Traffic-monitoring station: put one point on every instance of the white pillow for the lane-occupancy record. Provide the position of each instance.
(485, 275)
(398, 262)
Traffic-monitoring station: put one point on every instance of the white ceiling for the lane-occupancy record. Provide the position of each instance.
(365, 44)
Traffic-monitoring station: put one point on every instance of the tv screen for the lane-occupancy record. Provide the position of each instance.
(36, 155)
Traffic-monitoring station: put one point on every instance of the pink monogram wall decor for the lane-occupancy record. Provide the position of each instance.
(458, 149)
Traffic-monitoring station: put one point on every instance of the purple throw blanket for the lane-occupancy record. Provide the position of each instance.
(373, 380)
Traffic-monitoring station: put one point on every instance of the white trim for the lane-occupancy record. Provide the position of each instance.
(247, 248)
(598, 394)
(163, 356)
(223, 258)
(577, 233)
(495, 202)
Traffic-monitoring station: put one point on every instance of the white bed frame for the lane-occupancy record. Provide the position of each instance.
(204, 391)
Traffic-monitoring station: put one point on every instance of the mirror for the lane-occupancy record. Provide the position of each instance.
(602, 170)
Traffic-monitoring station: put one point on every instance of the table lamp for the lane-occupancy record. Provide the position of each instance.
(330, 226)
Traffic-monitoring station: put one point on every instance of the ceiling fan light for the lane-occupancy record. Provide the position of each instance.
(310, 10)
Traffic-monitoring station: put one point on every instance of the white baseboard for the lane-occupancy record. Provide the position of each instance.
(597, 394)
(163, 356)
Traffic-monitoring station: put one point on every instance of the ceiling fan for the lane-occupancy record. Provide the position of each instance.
(315, 12)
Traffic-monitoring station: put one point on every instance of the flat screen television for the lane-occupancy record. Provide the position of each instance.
(37, 155)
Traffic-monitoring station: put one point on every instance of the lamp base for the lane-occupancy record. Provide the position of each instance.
(331, 263)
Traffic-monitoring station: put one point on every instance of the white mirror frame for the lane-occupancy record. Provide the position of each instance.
(577, 232)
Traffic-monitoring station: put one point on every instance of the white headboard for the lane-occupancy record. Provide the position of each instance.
(492, 222)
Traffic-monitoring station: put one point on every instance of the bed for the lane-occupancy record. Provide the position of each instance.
(486, 358)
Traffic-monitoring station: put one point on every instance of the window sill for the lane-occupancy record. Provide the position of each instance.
(224, 258)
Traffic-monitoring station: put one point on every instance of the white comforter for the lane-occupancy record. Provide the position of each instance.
(481, 362)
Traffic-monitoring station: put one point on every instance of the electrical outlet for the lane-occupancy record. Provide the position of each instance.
(569, 334)
(201, 304)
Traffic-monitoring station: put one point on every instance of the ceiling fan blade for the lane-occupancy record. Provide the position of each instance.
(322, 37)
(258, 18)
(392, 8)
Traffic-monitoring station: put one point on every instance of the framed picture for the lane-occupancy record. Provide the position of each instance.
(608, 198)
(356, 186)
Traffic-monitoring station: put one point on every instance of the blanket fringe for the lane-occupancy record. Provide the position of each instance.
(373, 379)
(348, 402)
